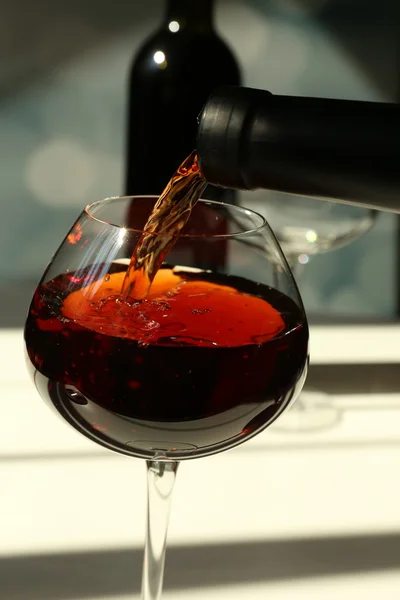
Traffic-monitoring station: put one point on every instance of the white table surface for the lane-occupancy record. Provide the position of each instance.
(62, 494)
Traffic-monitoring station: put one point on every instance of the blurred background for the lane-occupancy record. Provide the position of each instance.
(63, 101)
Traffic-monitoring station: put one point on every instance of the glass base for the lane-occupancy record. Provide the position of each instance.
(313, 411)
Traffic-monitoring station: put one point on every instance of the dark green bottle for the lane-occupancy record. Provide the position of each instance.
(171, 78)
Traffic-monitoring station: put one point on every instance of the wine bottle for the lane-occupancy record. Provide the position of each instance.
(340, 150)
(171, 78)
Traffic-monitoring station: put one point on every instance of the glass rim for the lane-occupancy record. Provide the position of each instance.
(240, 209)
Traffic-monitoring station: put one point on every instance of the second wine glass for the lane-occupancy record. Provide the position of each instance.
(304, 228)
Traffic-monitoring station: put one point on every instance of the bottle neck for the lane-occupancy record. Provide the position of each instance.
(341, 150)
(196, 14)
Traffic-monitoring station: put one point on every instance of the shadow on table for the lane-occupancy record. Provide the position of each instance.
(117, 572)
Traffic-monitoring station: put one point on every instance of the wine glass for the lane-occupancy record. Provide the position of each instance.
(209, 359)
(305, 227)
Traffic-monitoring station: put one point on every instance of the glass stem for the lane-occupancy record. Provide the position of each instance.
(161, 476)
(297, 269)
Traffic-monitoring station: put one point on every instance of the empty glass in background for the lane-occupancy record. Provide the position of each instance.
(304, 228)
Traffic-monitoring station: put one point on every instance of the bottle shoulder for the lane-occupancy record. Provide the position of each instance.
(188, 46)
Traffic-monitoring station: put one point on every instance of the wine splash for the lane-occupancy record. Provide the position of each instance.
(167, 219)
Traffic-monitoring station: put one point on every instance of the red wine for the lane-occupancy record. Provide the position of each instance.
(199, 366)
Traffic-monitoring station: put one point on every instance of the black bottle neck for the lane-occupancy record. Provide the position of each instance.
(339, 150)
(193, 14)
